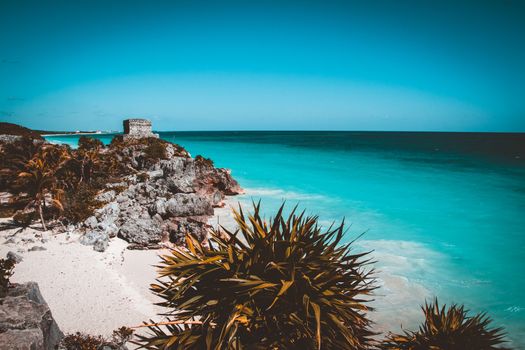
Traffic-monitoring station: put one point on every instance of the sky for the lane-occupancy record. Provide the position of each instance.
(417, 65)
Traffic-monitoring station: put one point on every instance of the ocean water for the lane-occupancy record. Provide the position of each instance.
(444, 213)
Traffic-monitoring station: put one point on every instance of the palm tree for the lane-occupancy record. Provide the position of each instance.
(38, 181)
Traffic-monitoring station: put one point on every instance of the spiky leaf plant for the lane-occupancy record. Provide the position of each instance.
(278, 284)
(448, 329)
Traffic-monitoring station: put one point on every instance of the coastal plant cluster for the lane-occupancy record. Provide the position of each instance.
(81, 341)
(56, 182)
(288, 284)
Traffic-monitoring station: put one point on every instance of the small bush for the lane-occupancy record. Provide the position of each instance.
(89, 143)
(79, 203)
(155, 151)
(448, 329)
(24, 218)
(122, 335)
(82, 341)
(206, 161)
(6, 271)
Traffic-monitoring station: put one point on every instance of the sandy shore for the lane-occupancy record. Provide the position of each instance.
(96, 292)
(86, 290)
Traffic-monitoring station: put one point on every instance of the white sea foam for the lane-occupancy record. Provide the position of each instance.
(281, 194)
(403, 271)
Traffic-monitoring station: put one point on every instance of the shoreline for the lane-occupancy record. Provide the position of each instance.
(77, 133)
(88, 291)
(95, 293)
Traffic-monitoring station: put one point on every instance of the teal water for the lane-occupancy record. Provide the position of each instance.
(443, 212)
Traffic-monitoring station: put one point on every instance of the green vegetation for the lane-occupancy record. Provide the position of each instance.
(156, 149)
(6, 271)
(448, 329)
(201, 159)
(81, 341)
(285, 284)
(56, 182)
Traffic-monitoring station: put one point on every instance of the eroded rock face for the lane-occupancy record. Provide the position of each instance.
(164, 199)
(26, 321)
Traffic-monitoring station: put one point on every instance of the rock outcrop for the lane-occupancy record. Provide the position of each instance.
(26, 321)
(164, 199)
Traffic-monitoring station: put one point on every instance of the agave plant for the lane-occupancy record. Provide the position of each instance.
(280, 284)
(448, 329)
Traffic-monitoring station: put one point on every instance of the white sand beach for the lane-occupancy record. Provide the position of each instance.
(86, 290)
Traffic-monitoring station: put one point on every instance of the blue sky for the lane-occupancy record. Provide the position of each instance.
(264, 65)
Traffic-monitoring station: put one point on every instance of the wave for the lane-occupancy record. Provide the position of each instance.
(281, 194)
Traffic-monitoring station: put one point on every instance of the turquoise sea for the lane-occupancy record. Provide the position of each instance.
(443, 212)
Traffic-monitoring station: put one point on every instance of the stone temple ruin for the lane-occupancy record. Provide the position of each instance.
(137, 129)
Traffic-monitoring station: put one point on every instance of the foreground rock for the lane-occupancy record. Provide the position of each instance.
(163, 200)
(26, 321)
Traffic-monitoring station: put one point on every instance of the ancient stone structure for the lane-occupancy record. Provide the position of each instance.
(138, 128)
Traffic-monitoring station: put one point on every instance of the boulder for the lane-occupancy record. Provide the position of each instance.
(91, 237)
(26, 321)
(16, 258)
(184, 204)
(100, 245)
(108, 227)
(143, 231)
(178, 228)
(159, 207)
(91, 222)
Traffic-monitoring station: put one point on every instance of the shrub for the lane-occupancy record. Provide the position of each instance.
(206, 161)
(6, 271)
(448, 329)
(282, 284)
(155, 151)
(79, 203)
(89, 143)
(24, 218)
(82, 341)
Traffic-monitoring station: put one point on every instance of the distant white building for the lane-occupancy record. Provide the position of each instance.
(138, 128)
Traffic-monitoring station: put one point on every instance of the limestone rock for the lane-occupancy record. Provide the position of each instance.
(91, 222)
(162, 199)
(183, 204)
(100, 245)
(17, 258)
(26, 321)
(36, 248)
(106, 197)
(91, 237)
(142, 231)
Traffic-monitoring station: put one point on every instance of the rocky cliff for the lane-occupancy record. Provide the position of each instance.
(161, 200)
